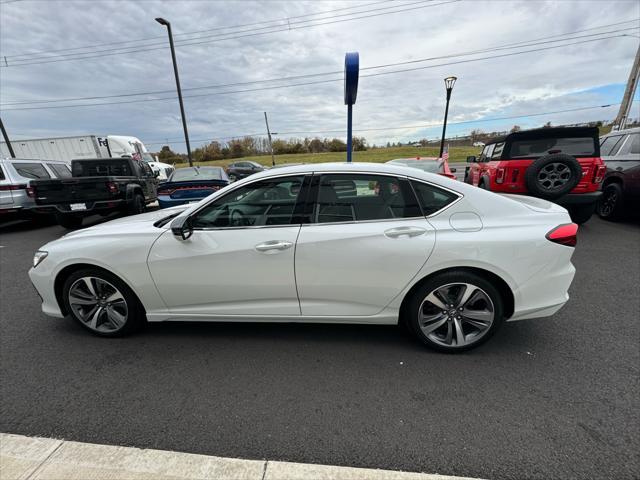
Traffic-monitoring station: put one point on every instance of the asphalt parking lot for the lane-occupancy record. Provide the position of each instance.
(553, 398)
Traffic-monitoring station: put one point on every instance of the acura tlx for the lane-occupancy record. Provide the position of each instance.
(333, 243)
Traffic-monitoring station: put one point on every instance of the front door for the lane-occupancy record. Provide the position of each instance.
(367, 240)
(240, 258)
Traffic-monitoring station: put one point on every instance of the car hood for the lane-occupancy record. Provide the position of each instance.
(131, 224)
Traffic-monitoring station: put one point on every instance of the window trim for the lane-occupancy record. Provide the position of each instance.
(313, 199)
(304, 186)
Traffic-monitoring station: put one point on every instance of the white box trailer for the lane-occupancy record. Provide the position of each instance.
(86, 146)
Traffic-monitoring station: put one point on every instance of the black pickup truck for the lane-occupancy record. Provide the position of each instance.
(97, 186)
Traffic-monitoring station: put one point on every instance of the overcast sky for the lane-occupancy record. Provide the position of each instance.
(310, 42)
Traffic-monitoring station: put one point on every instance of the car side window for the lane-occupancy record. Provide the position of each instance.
(61, 171)
(2, 177)
(632, 145)
(432, 199)
(497, 151)
(363, 197)
(31, 170)
(487, 152)
(611, 145)
(268, 202)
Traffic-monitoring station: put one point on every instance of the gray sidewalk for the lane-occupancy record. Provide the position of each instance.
(23, 458)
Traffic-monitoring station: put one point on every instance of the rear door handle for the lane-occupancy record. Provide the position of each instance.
(273, 245)
(404, 231)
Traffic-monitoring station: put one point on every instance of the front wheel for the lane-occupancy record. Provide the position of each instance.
(455, 311)
(102, 303)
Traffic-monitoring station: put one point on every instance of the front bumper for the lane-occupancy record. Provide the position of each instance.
(42, 278)
(578, 199)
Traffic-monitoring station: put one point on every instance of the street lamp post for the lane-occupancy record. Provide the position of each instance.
(448, 83)
(164, 22)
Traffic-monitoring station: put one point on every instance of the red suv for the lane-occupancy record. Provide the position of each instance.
(561, 164)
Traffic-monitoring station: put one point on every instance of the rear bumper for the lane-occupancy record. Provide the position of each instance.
(578, 199)
(91, 207)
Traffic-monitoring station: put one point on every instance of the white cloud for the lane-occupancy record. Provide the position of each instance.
(536, 82)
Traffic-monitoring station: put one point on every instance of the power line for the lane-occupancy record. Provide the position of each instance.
(231, 27)
(321, 81)
(521, 44)
(403, 127)
(423, 4)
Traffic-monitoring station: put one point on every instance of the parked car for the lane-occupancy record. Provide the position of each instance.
(621, 186)
(559, 164)
(427, 164)
(478, 144)
(238, 170)
(98, 186)
(17, 199)
(331, 243)
(192, 184)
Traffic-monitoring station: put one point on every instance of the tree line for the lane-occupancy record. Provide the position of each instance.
(253, 146)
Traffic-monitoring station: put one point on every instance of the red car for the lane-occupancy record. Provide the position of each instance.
(427, 164)
(560, 164)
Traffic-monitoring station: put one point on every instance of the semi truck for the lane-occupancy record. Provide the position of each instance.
(86, 146)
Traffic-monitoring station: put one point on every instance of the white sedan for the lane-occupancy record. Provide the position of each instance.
(332, 243)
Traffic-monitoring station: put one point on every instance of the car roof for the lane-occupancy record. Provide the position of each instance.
(415, 159)
(544, 132)
(622, 132)
(31, 160)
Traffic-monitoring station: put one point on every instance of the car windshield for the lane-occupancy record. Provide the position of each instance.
(197, 173)
(576, 146)
(432, 166)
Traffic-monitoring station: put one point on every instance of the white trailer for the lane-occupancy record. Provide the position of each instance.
(87, 146)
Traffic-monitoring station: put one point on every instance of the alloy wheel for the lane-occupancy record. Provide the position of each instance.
(554, 176)
(98, 304)
(456, 315)
(608, 203)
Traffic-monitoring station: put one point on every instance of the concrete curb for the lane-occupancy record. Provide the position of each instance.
(28, 458)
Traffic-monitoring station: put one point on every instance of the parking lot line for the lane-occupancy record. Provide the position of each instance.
(31, 458)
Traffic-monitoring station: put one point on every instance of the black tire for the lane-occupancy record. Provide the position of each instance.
(414, 306)
(69, 221)
(552, 176)
(611, 202)
(582, 214)
(136, 317)
(484, 184)
(136, 206)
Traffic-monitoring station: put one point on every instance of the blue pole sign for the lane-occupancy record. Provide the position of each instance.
(351, 71)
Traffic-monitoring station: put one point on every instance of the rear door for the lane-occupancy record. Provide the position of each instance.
(367, 238)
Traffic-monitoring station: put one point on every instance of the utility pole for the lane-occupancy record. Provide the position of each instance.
(625, 107)
(6, 139)
(167, 24)
(273, 158)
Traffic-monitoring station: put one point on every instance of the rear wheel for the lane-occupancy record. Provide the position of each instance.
(102, 303)
(69, 221)
(137, 205)
(455, 311)
(581, 214)
(610, 205)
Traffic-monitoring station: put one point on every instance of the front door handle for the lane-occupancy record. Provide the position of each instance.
(404, 231)
(273, 245)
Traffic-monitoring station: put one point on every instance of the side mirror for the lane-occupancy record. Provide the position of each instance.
(181, 227)
(453, 170)
(472, 159)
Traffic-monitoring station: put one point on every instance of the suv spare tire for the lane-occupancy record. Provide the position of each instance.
(552, 176)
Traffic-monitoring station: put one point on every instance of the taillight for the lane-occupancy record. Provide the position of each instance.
(13, 186)
(31, 192)
(599, 175)
(566, 234)
(112, 187)
(500, 175)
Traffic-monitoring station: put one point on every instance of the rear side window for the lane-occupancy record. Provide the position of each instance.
(2, 177)
(363, 197)
(61, 171)
(537, 147)
(432, 199)
(611, 145)
(34, 171)
(632, 145)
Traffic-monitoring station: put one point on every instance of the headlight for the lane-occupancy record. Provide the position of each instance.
(38, 257)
